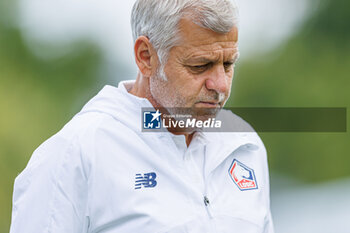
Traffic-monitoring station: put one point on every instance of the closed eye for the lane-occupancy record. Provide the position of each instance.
(228, 65)
(200, 68)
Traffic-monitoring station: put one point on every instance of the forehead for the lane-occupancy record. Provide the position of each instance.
(198, 41)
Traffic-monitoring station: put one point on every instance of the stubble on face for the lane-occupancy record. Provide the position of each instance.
(170, 97)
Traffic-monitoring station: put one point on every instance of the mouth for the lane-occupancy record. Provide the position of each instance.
(208, 104)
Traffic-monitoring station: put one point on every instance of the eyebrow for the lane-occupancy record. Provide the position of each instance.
(201, 60)
(206, 60)
(235, 57)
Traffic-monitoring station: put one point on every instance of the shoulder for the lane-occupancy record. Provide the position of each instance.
(234, 127)
(233, 123)
(70, 145)
(82, 125)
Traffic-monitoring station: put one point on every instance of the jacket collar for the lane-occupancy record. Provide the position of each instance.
(127, 108)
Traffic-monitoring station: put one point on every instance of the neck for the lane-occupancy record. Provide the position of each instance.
(141, 88)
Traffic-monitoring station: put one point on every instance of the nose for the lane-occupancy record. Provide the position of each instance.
(217, 80)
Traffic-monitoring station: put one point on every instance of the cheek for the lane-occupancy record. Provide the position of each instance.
(185, 82)
(229, 77)
(195, 87)
(229, 82)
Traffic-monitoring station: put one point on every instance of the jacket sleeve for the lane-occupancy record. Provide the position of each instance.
(50, 195)
(268, 221)
(269, 228)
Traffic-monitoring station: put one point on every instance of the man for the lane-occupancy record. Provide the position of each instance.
(102, 173)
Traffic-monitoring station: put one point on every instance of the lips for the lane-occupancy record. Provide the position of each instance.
(208, 104)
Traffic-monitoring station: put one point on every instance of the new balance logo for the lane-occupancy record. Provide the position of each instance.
(147, 180)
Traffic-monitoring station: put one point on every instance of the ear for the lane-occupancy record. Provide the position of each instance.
(145, 56)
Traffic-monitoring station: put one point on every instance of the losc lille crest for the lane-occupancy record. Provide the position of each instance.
(242, 176)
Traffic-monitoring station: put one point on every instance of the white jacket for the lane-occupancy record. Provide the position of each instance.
(100, 173)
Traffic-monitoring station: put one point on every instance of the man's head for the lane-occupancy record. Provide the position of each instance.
(187, 50)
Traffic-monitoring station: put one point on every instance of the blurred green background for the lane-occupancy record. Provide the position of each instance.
(38, 96)
(311, 70)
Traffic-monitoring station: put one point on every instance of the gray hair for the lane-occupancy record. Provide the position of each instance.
(158, 20)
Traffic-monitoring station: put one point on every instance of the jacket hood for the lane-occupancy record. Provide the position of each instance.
(120, 104)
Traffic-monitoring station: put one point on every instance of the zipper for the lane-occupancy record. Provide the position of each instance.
(207, 206)
(206, 199)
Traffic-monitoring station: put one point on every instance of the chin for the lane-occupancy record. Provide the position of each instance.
(205, 113)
